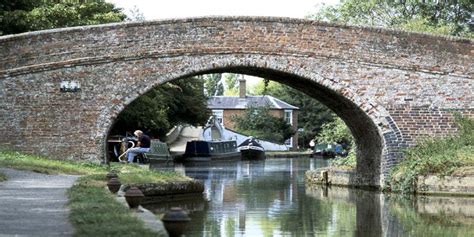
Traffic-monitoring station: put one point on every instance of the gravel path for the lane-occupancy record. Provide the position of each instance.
(33, 204)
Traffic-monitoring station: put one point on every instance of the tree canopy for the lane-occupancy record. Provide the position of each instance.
(258, 122)
(312, 114)
(157, 111)
(449, 17)
(213, 85)
(29, 15)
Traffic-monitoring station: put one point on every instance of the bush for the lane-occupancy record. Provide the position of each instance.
(441, 156)
(258, 122)
(337, 132)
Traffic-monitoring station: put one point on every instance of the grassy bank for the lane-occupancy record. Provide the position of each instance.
(94, 210)
(441, 156)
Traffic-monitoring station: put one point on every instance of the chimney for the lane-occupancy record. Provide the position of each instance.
(242, 88)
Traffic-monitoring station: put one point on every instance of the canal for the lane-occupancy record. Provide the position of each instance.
(270, 198)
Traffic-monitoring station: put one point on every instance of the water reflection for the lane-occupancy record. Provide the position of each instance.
(269, 198)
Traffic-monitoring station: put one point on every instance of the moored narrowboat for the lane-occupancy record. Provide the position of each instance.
(199, 150)
(252, 150)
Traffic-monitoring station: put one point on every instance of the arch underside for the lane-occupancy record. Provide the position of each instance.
(366, 123)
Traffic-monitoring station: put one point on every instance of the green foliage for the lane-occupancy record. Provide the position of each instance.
(441, 156)
(258, 122)
(30, 15)
(213, 85)
(231, 84)
(312, 114)
(442, 17)
(335, 132)
(219, 84)
(348, 162)
(157, 111)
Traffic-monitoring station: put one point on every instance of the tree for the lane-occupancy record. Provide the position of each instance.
(135, 14)
(231, 84)
(312, 114)
(337, 132)
(453, 17)
(258, 122)
(157, 111)
(213, 85)
(30, 15)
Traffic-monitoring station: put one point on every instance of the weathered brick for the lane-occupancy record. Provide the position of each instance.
(391, 87)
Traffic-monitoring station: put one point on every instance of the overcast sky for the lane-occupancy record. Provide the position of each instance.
(155, 9)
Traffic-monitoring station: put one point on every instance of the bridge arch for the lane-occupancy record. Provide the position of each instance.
(386, 85)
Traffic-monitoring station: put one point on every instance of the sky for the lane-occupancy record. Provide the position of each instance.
(156, 9)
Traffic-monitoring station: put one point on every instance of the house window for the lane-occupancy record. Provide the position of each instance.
(289, 142)
(289, 116)
(219, 116)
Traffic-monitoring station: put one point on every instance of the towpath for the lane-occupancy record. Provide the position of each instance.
(33, 204)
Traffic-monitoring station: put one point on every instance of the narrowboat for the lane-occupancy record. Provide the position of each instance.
(250, 149)
(200, 150)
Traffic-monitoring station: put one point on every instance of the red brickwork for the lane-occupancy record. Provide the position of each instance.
(378, 81)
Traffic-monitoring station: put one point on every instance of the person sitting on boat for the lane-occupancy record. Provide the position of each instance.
(143, 146)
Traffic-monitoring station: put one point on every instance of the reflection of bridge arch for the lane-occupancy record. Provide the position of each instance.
(391, 88)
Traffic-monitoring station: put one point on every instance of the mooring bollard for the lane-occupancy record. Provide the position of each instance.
(134, 197)
(114, 185)
(111, 174)
(175, 221)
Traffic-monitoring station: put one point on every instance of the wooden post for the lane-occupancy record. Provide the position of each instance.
(324, 177)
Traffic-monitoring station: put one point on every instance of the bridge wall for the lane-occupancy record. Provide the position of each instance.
(391, 88)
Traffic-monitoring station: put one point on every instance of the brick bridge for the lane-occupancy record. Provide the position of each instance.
(392, 88)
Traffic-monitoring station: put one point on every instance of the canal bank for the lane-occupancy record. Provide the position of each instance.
(287, 154)
(461, 184)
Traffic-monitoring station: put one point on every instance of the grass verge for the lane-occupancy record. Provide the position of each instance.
(94, 210)
(440, 156)
(16, 160)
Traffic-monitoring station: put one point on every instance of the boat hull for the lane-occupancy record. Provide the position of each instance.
(224, 156)
(252, 152)
(197, 151)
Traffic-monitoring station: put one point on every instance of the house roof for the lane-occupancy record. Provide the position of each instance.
(235, 102)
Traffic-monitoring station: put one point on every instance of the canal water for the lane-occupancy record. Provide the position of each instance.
(270, 198)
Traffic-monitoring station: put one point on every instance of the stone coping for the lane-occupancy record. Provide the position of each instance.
(230, 18)
(158, 192)
(426, 185)
(151, 220)
(445, 186)
(170, 188)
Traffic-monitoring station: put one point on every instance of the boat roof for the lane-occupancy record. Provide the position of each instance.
(236, 102)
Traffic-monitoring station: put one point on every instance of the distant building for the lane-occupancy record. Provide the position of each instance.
(224, 107)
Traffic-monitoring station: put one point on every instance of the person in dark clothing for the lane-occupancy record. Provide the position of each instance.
(143, 146)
